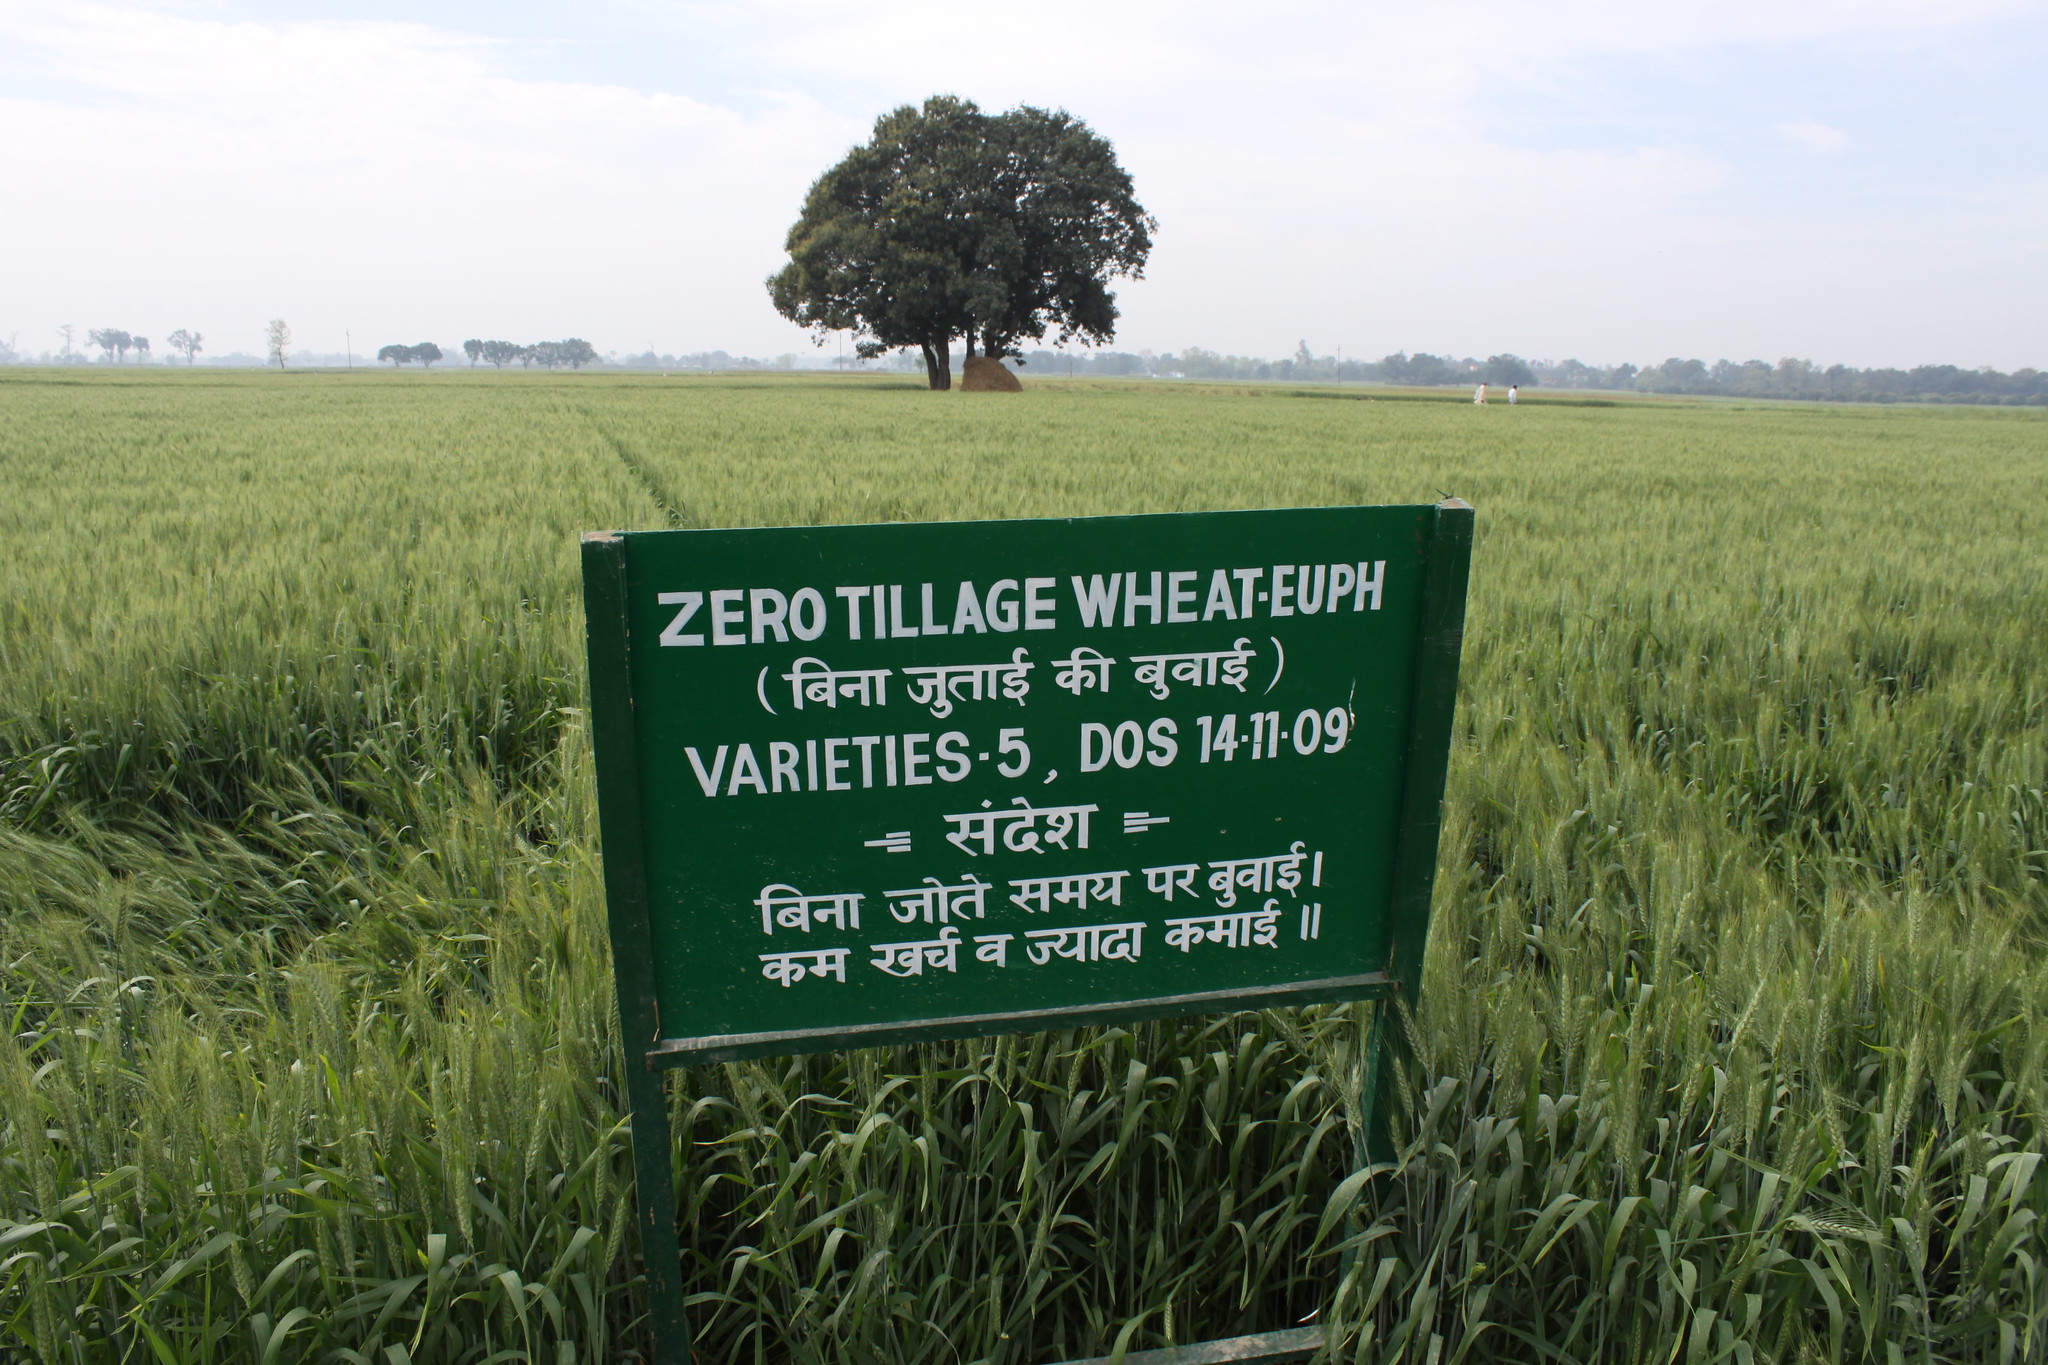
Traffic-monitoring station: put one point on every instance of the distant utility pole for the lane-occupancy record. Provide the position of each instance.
(348, 344)
(65, 332)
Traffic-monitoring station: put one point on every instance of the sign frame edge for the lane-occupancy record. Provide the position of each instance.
(622, 834)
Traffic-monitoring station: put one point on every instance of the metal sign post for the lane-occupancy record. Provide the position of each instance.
(875, 784)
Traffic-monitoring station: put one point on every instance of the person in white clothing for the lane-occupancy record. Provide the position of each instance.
(1479, 394)
(1513, 389)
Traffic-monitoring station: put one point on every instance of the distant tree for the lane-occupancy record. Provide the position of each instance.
(526, 355)
(577, 352)
(141, 345)
(1949, 381)
(474, 349)
(1420, 368)
(1567, 374)
(186, 341)
(951, 223)
(1802, 379)
(1799, 377)
(1677, 376)
(1508, 370)
(111, 340)
(1690, 376)
(397, 355)
(548, 353)
(279, 337)
(426, 352)
(498, 353)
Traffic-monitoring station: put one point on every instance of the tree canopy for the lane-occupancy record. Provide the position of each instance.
(426, 353)
(1508, 369)
(951, 223)
(111, 340)
(574, 352)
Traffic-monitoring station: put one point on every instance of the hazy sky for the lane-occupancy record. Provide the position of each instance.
(1854, 182)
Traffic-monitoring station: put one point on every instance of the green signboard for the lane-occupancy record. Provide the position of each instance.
(868, 784)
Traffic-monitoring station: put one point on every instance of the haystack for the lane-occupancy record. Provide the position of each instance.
(983, 374)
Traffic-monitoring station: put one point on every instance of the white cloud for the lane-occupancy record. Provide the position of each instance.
(1343, 173)
(1814, 137)
(1376, 55)
(385, 179)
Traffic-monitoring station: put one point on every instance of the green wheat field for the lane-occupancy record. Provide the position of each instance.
(1734, 1035)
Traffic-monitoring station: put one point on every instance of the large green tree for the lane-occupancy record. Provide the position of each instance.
(951, 224)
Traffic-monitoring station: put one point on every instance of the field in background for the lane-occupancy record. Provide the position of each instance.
(1734, 1041)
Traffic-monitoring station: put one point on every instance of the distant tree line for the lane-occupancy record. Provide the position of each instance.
(713, 361)
(1303, 367)
(1788, 379)
(423, 353)
(575, 352)
(1793, 379)
(117, 343)
(1839, 383)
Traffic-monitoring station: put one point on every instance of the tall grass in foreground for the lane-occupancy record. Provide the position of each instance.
(1732, 1045)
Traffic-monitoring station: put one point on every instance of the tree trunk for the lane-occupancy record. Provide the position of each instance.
(938, 363)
